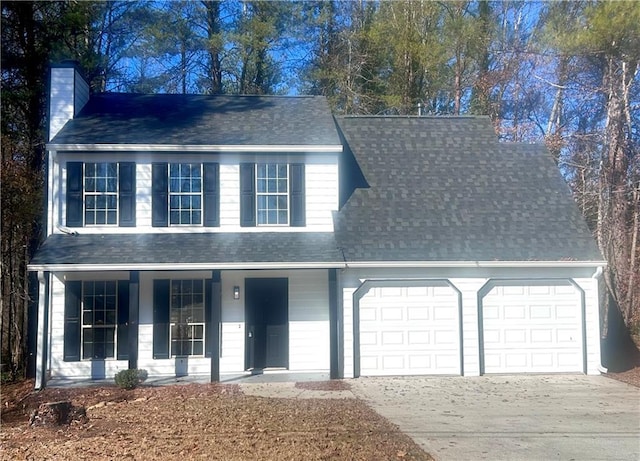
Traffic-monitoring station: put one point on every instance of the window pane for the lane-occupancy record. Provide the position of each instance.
(198, 348)
(282, 185)
(101, 217)
(175, 217)
(262, 217)
(90, 185)
(282, 171)
(174, 201)
(89, 169)
(196, 217)
(282, 217)
(89, 217)
(271, 216)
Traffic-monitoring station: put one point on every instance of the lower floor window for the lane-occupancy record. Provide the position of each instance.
(187, 318)
(99, 319)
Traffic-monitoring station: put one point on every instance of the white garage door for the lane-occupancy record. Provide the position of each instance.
(409, 331)
(531, 328)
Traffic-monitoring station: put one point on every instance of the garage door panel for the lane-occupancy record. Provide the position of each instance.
(391, 313)
(535, 328)
(417, 313)
(417, 331)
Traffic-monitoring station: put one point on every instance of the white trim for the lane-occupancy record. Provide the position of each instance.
(182, 267)
(312, 265)
(284, 148)
(454, 264)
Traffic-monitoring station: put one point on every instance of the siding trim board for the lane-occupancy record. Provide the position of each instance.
(368, 284)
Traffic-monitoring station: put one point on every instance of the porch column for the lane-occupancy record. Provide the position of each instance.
(43, 320)
(334, 326)
(214, 334)
(134, 302)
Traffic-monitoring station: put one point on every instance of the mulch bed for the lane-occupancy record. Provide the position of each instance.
(199, 421)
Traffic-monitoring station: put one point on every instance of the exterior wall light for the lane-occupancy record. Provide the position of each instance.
(236, 292)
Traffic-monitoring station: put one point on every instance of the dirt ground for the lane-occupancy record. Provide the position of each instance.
(631, 376)
(200, 421)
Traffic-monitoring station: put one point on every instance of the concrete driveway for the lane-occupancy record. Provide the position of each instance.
(568, 417)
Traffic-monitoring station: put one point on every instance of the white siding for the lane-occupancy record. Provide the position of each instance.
(321, 185)
(592, 320)
(68, 95)
(321, 195)
(308, 319)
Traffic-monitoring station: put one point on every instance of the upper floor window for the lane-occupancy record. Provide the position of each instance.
(272, 185)
(100, 194)
(272, 194)
(185, 193)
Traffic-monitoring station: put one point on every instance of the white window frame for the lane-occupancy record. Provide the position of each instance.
(191, 325)
(181, 194)
(93, 326)
(96, 194)
(276, 194)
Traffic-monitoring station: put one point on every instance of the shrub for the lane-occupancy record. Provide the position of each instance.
(129, 379)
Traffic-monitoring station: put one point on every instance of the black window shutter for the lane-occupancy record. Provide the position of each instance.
(207, 318)
(123, 320)
(247, 195)
(72, 313)
(74, 194)
(160, 195)
(297, 195)
(211, 194)
(127, 194)
(161, 319)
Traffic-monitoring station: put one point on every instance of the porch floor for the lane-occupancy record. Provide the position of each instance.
(276, 376)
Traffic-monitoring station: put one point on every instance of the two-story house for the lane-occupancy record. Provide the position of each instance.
(217, 235)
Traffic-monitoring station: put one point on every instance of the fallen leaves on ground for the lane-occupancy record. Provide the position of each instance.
(199, 421)
(631, 376)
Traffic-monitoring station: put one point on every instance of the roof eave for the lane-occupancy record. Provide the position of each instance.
(324, 148)
(54, 267)
(476, 264)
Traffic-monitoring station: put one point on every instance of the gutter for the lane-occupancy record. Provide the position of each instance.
(314, 265)
(196, 148)
(477, 264)
(182, 267)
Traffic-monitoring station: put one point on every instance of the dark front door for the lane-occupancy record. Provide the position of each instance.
(267, 323)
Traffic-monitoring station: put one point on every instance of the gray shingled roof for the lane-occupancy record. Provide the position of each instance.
(445, 189)
(116, 118)
(169, 249)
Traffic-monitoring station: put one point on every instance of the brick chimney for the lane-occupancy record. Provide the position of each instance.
(68, 93)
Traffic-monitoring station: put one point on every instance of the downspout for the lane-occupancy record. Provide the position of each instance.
(596, 276)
